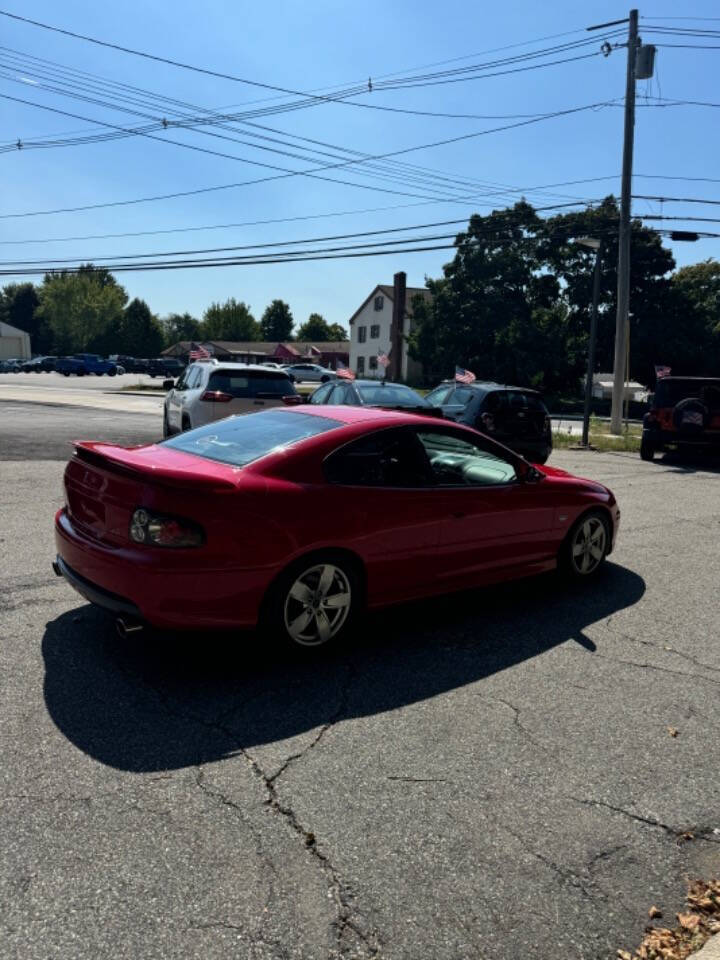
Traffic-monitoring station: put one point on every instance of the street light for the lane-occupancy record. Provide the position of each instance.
(595, 245)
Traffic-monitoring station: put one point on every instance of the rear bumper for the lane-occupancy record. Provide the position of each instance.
(95, 594)
(707, 439)
(168, 589)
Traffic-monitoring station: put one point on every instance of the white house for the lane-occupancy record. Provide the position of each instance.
(372, 332)
(14, 343)
(602, 388)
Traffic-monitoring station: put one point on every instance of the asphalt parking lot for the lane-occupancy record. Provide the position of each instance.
(491, 775)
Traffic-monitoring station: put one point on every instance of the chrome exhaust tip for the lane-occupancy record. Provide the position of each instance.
(125, 628)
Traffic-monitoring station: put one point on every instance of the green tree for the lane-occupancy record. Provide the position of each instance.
(336, 332)
(277, 322)
(231, 320)
(83, 310)
(18, 307)
(314, 328)
(140, 332)
(181, 326)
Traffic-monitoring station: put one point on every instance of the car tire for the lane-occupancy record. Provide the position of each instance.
(325, 379)
(585, 547)
(66, 373)
(314, 604)
(647, 449)
(166, 426)
(112, 372)
(186, 425)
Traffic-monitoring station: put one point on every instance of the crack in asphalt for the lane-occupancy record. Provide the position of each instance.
(652, 666)
(517, 722)
(664, 647)
(341, 896)
(680, 836)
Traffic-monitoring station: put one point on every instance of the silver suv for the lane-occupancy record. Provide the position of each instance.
(211, 390)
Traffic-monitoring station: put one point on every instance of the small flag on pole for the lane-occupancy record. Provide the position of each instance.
(661, 372)
(383, 359)
(464, 376)
(345, 373)
(199, 353)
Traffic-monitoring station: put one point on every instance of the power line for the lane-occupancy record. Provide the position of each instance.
(314, 172)
(640, 196)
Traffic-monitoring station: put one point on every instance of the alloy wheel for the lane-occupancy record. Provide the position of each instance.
(588, 546)
(317, 605)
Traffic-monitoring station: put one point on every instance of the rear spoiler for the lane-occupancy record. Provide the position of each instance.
(170, 468)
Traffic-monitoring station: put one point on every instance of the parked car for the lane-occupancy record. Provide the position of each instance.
(684, 416)
(297, 519)
(38, 365)
(311, 372)
(165, 367)
(210, 390)
(371, 393)
(87, 363)
(131, 364)
(11, 365)
(514, 416)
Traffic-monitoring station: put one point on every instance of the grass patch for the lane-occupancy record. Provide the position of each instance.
(601, 439)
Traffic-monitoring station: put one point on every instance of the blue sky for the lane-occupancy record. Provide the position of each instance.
(315, 46)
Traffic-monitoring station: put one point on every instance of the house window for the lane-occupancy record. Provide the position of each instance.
(362, 334)
(375, 331)
(361, 364)
(372, 363)
(379, 303)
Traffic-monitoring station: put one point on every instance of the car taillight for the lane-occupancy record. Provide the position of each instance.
(216, 396)
(292, 400)
(156, 530)
(488, 422)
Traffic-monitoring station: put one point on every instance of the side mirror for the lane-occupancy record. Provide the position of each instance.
(527, 473)
(168, 384)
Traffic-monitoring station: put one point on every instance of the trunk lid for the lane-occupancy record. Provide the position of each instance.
(104, 484)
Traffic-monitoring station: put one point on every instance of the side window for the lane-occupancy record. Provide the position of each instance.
(439, 395)
(378, 304)
(361, 364)
(459, 461)
(388, 458)
(461, 396)
(337, 394)
(362, 334)
(322, 393)
(193, 380)
(183, 381)
(373, 363)
(374, 331)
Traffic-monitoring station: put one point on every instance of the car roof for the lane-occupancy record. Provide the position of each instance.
(218, 365)
(349, 415)
(488, 385)
(379, 383)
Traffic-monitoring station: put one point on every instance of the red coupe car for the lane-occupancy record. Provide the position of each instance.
(299, 518)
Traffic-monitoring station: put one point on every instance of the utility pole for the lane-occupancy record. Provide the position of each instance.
(597, 246)
(623, 288)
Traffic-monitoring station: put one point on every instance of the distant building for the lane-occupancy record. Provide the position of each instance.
(326, 354)
(602, 388)
(382, 323)
(14, 343)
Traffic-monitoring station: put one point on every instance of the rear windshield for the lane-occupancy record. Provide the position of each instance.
(670, 392)
(240, 440)
(391, 395)
(251, 383)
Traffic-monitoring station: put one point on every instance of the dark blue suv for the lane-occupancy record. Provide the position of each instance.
(514, 416)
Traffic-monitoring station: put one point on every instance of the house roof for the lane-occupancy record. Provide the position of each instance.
(8, 330)
(300, 349)
(387, 290)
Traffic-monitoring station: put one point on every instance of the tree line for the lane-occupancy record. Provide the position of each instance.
(514, 304)
(89, 311)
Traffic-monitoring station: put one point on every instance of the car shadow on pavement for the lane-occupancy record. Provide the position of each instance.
(701, 462)
(162, 701)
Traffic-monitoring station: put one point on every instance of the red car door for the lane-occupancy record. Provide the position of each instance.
(491, 521)
(381, 487)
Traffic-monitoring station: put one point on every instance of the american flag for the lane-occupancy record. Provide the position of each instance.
(464, 376)
(199, 353)
(344, 372)
(383, 359)
(661, 372)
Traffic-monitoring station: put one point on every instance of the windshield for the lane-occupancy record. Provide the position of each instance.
(390, 395)
(240, 440)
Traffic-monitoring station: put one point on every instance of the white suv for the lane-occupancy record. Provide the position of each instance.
(210, 390)
(311, 372)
